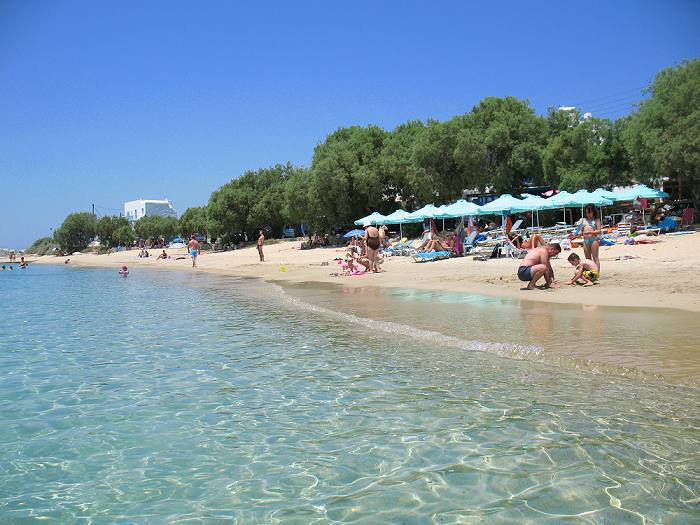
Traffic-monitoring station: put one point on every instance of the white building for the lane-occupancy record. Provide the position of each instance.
(134, 210)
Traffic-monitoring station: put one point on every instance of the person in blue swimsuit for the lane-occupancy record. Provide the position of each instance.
(591, 229)
(193, 247)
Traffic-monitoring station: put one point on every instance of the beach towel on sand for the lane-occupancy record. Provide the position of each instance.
(431, 256)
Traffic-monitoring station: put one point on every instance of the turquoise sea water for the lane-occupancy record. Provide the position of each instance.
(190, 398)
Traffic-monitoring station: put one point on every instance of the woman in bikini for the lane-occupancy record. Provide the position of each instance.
(372, 242)
(438, 244)
(591, 228)
(534, 241)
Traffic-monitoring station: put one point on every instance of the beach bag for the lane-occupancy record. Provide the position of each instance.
(496, 252)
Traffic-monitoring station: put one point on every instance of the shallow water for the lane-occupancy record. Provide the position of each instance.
(188, 398)
(658, 342)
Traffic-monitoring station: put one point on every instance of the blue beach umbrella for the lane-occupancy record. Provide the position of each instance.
(643, 192)
(428, 211)
(398, 217)
(458, 209)
(503, 204)
(535, 203)
(506, 203)
(353, 233)
(607, 194)
(373, 218)
(583, 197)
(560, 200)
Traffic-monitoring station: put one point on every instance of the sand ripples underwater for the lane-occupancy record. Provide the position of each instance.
(171, 398)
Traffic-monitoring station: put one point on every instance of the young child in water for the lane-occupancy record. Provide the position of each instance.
(124, 272)
(586, 270)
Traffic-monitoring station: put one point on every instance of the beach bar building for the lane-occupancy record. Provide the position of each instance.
(134, 210)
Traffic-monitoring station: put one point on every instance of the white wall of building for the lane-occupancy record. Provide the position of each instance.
(134, 210)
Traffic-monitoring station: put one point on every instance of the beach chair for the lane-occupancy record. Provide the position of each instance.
(422, 257)
(623, 229)
(468, 243)
(512, 250)
(516, 226)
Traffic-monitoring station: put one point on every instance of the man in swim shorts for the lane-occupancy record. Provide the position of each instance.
(536, 265)
(193, 246)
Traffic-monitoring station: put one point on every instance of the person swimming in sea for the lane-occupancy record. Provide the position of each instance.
(124, 272)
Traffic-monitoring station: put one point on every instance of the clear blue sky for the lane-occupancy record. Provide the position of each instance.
(103, 102)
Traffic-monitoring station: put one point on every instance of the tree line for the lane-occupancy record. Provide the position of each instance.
(500, 146)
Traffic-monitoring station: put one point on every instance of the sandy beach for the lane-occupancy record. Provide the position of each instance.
(660, 275)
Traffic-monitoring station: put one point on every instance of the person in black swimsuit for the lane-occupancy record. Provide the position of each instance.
(372, 242)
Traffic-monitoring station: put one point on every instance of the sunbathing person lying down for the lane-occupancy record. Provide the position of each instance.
(439, 244)
(534, 241)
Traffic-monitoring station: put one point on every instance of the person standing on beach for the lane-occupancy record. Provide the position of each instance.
(591, 230)
(372, 242)
(193, 246)
(260, 242)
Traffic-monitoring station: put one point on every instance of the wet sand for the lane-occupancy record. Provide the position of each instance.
(645, 343)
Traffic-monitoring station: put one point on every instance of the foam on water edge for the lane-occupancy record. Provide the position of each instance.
(534, 353)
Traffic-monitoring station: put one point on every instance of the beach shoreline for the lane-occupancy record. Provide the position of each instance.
(659, 275)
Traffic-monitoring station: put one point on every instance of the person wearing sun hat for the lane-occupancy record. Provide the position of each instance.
(372, 242)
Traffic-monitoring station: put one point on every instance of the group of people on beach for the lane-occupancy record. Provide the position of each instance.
(364, 253)
(194, 247)
(13, 260)
(536, 264)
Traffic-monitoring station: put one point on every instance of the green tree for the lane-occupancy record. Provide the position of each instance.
(257, 199)
(76, 232)
(501, 144)
(561, 120)
(400, 175)
(42, 246)
(346, 180)
(267, 209)
(124, 236)
(439, 175)
(299, 203)
(106, 227)
(195, 220)
(152, 227)
(663, 136)
(587, 155)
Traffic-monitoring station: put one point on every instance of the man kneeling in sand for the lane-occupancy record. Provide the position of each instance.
(536, 265)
